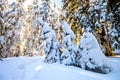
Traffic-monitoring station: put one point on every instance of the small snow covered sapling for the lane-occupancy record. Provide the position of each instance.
(51, 45)
(68, 57)
(92, 57)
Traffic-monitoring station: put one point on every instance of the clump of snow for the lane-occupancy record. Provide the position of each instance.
(67, 30)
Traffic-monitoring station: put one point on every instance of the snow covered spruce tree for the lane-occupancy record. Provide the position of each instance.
(45, 9)
(31, 43)
(70, 7)
(55, 24)
(36, 29)
(114, 30)
(52, 47)
(92, 57)
(16, 19)
(96, 14)
(68, 57)
(11, 31)
(3, 10)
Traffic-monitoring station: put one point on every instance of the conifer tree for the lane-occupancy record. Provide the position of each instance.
(114, 30)
(68, 57)
(52, 47)
(30, 34)
(94, 14)
(11, 31)
(69, 9)
(3, 10)
(89, 47)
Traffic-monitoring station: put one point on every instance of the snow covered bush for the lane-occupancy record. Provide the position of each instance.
(68, 57)
(52, 47)
(92, 57)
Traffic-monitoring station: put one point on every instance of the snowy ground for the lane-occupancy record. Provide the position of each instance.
(33, 68)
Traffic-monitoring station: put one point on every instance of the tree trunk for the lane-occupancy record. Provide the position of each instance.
(108, 49)
(1, 56)
(107, 41)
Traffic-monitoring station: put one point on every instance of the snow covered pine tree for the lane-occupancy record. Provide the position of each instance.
(68, 57)
(12, 16)
(52, 47)
(3, 7)
(114, 31)
(92, 57)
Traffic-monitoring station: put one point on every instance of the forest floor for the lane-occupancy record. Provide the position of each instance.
(33, 68)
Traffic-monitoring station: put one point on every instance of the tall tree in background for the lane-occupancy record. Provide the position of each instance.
(20, 27)
(31, 44)
(94, 14)
(3, 10)
(13, 21)
(45, 9)
(114, 22)
(98, 18)
(54, 17)
(69, 8)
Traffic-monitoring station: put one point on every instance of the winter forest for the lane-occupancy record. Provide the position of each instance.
(66, 36)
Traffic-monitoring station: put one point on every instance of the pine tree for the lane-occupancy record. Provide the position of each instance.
(68, 57)
(98, 17)
(55, 24)
(11, 31)
(52, 47)
(69, 8)
(17, 15)
(114, 30)
(45, 9)
(3, 9)
(89, 47)
(36, 30)
(30, 34)
(49, 14)
(94, 14)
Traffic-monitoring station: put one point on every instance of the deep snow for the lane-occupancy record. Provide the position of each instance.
(33, 68)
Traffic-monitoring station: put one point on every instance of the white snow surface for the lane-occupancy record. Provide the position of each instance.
(33, 68)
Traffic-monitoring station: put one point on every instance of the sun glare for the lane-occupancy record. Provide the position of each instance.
(38, 68)
(27, 3)
(11, 1)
